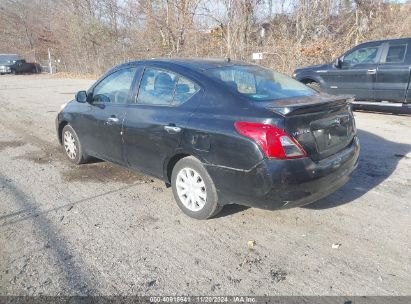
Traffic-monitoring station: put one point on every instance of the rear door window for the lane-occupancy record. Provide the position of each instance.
(185, 89)
(396, 53)
(162, 87)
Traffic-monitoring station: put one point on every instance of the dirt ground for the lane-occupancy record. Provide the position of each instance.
(101, 229)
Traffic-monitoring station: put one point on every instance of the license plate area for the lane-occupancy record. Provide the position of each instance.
(331, 133)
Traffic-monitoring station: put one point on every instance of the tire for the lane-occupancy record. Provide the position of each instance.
(314, 85)
(13, 72)
(199, 206)
(72, 146)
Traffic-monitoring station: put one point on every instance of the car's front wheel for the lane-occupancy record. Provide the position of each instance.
(72, 146)
(194, 190)
(315, 85)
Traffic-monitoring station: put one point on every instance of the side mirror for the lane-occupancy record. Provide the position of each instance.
(101, 98)
(338, 63)
(81, 96)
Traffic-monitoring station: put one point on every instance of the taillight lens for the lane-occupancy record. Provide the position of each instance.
(274, 142)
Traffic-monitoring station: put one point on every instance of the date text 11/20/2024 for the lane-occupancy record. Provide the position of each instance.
(203, 299)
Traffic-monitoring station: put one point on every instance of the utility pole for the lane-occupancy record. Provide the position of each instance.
(357, 21)
(50, 67)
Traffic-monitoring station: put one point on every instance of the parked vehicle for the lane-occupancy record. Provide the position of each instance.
(21, 66)
(217, 131)
(6, 60)
(4, 68)
(376, 70)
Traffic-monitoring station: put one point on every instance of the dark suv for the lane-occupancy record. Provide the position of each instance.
(376, 70)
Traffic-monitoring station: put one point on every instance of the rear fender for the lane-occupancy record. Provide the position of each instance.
(173, 158)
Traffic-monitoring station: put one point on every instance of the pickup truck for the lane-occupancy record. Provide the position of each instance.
(13, 64)
(21, 66)
(371, 71)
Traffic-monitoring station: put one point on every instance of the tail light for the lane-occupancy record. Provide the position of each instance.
(274, 142)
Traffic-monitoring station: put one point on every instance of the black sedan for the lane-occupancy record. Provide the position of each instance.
(218, 131)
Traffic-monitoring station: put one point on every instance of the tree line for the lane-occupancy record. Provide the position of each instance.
(89, 36)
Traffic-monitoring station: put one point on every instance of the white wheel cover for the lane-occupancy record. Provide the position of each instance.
(191, 189)
(70, 144)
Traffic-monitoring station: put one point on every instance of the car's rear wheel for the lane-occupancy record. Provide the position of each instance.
(72, 146)
(194, 190)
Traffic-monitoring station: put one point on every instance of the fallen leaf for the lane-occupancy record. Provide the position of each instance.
(251, 244)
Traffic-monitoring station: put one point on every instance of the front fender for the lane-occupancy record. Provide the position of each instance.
(310, 77)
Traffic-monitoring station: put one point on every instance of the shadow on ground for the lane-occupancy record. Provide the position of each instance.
(76, 276)
(231, 209)
(379, 158)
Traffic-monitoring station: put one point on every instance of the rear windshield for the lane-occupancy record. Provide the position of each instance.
(259, 84)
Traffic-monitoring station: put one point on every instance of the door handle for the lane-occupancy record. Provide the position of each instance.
(112, 120)
(172, 129)
(372, 72)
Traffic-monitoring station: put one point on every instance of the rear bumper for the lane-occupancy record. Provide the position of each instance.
(278, 184)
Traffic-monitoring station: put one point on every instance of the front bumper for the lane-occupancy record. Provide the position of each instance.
(278, 184)
(5, 69)
(57, 122)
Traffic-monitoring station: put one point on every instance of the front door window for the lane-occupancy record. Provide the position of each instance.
(115, 87)
(361, 56)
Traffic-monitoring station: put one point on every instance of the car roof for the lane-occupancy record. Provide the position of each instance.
(404, 39)
(198, 64)
(9, 57)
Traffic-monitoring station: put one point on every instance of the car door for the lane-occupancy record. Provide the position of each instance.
(331, 78)
(358, 70)
(155, 123)
(101, 125)
(19, 66)
(26, 67)
(393, 72)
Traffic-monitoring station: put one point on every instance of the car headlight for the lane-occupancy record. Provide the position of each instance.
(294, 74)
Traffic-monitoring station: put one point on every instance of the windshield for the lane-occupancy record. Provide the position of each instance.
(259, 84)
(5, 62)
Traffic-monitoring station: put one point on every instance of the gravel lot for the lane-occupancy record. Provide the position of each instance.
(101, 229)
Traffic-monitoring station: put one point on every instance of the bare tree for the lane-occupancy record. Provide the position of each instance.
(91, 35)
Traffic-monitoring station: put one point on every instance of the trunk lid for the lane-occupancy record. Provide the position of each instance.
(322, 124)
